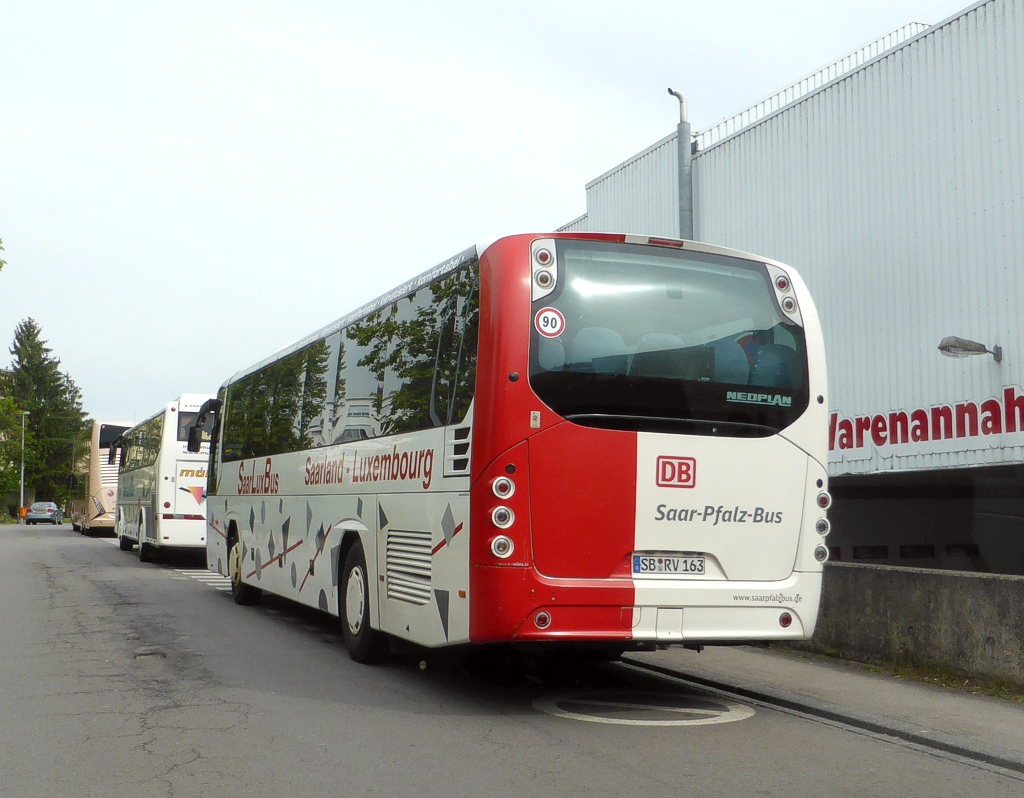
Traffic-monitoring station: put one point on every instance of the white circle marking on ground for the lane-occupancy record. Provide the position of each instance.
(606, 706)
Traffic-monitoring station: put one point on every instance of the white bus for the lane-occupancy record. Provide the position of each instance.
(608, 441)
(160, 488)
(94, 480)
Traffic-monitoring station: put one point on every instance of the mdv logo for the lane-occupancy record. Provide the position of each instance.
(676, 472)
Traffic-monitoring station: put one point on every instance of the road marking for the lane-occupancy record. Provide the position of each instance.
(643, 709)
(214, 580)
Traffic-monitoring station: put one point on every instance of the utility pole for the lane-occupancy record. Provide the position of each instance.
(21, 506)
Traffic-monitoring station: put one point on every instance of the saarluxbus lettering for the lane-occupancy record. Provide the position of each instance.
(258, 482)
(715, 514)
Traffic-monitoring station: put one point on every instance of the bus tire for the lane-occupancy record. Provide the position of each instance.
(364, 643)
(125, 544)
(75, 527)
(242, 593)
(146, 553)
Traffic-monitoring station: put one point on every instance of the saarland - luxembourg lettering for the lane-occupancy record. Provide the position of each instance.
(353, 467)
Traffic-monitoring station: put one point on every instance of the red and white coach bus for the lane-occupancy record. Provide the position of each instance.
(603, 440)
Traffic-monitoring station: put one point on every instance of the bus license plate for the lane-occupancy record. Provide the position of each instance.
(662, 565)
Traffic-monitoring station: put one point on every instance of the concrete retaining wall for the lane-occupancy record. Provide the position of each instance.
(951, 621)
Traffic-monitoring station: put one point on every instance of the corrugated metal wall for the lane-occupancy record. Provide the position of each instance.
(898, 192)
(640, 196)
(807, 84)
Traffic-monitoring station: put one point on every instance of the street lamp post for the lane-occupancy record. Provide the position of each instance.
(24, 414)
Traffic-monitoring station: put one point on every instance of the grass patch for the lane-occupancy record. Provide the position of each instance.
(960, 682)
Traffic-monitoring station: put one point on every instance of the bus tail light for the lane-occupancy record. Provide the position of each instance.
(542, 620)
(502, 547)
(503, 487)
(821, 553)
(502, 517)
(785, 620)
(501, 513)
(822, 526)
(824, 500)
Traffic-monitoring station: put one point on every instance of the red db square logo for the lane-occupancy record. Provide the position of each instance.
(677, 472)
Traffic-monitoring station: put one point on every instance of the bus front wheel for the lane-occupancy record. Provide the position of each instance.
(364, 643)
(240, 592)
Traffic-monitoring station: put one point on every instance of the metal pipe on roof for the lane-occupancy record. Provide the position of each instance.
(685, 159)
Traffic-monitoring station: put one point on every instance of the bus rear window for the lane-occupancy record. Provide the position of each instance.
(660, 339)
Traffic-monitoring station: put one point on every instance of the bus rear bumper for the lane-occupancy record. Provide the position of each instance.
(727, 612)
(655, 611)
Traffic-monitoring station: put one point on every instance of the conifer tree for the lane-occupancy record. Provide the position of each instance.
(56, 419)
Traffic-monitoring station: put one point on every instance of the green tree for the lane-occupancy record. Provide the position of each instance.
(2, 261)
(10, 447)
(56, 421)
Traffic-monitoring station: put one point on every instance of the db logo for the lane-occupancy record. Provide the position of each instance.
(677, 472)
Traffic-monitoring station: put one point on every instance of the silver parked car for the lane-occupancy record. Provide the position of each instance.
(44, 513)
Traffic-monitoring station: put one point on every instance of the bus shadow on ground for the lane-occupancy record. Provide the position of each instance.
(181, 558)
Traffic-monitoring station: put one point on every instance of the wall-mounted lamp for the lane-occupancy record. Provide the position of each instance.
(951, 346)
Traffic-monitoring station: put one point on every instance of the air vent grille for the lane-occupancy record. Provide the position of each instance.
(408, 566)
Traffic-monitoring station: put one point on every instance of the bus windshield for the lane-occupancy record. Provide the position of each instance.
(667, 340)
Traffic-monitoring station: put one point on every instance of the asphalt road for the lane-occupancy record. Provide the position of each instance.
(124, 679)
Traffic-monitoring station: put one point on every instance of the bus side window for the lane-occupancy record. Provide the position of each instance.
(455, 364)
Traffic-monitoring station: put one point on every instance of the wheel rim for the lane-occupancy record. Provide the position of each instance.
(355, 600)
(235, 566)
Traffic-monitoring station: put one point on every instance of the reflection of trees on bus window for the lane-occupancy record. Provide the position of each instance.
(408, 366)
(271, 410)
(421, 353)
(143, 444)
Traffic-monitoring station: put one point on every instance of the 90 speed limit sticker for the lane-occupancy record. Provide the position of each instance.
(549, 322)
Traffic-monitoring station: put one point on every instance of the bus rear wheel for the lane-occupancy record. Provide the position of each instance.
(240, 592)
(125, 544)
(364, 643)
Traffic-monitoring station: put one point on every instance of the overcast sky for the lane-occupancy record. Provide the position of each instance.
(187, 187)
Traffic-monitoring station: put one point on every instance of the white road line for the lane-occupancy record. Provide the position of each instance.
(208, 578)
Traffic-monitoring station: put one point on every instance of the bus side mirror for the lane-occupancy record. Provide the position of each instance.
(195, 438)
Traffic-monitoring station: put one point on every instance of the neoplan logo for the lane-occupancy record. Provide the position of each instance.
(676, 472)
